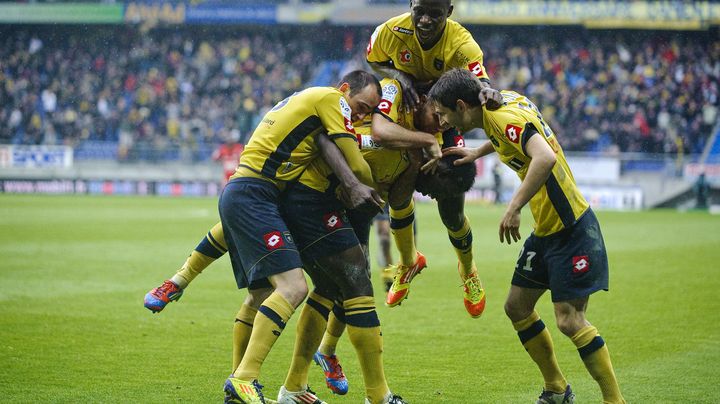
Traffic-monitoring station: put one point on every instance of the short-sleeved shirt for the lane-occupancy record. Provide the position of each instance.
(385, 164)
(395, 41)
(283, 144)
(558, 204)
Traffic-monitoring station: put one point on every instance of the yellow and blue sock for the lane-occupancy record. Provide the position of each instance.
(270, 322)
(363, 328)
(595, 355)
(210, 248)
(537, 342)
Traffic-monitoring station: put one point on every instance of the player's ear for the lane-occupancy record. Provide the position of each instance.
(344, 87)
(450, 10)
(460, 105)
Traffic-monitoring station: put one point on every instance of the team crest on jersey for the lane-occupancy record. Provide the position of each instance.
(513, 132)
(347, 115)
(439, 64)
(332, 220)
(402, 30)
(476, 68)
(288, 237)
(273, 240)
(581, 264)
(405, 56)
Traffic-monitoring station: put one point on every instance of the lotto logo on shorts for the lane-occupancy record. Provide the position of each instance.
(332, 221)
(581, 264)
(476, 68)
(273, 240)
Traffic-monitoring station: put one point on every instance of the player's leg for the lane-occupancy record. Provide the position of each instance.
(412, 262)
(348, 270)
(570, 316)
(385, 260)
(244, 321)
(210, 248)
(579, 268)
(452, 214)
(402, 224)
(530, 280)
(251, 219)
(309, 332)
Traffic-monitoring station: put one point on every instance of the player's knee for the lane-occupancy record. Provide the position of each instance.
(255, 297)
(517, 311)
(568, 324)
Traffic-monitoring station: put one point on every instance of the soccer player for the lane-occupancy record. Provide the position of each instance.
(262, 250)
(415, 48)
(565, 253)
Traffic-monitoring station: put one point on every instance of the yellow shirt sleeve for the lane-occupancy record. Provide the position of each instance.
(469, 55)
(335, 114)
(375, 51)
(391, 100)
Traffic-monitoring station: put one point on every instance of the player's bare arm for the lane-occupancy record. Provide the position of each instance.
(468, 154)
(541, 164)
(356, 193)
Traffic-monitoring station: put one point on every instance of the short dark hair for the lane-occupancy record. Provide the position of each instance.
(458, 178)
(359, 79)
(456, 84)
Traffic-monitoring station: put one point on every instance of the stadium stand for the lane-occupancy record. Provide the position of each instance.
(176, 93)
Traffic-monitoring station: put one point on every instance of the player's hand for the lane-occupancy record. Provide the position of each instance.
(362, 197)
(510, 226)
(466, 154)
(490, 98)
(410, 97)
(434, 154)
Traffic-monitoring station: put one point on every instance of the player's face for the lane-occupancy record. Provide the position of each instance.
(363, 102)
(429, 17)
(449, 118)
(425, 119)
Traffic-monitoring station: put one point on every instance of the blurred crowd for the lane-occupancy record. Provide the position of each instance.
(615, 91)
(170, 90)
(179, 93)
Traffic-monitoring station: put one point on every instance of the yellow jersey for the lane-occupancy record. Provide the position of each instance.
(558, 204)
(283, 144)
(395, 41)
(385, 164)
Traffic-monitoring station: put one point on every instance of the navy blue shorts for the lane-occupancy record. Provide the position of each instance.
(571, 263)
(257, 237)
(318, 221)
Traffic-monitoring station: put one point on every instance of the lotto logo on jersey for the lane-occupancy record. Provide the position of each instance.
(405, 56)
(581, 264)
(332, 221)
(273, 240)
(476, 68)
(385, 106)
(403, 30)
(513, 132)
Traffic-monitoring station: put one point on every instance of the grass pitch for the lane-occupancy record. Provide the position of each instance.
(73, 329)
